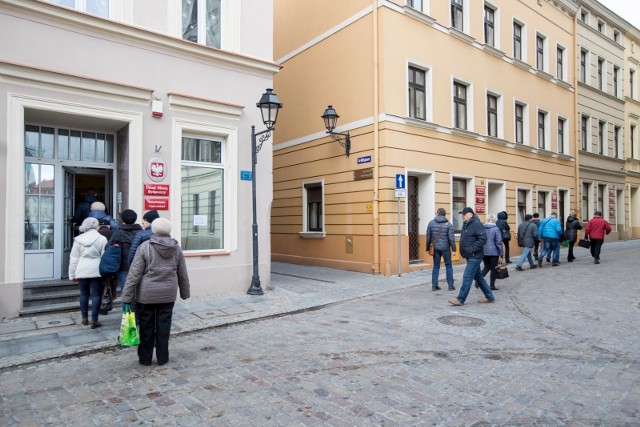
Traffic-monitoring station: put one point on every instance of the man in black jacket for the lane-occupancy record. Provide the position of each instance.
(472, 240)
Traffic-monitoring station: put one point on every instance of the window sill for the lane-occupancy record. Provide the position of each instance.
(312, 234)
(204, 254)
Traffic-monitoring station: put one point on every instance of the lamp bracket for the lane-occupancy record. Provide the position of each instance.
(344, 143)
(264, 137)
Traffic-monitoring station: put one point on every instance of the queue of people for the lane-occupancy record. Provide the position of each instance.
(483, 243)
(152, 272)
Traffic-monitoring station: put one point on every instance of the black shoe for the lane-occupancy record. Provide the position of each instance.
(548, 259)
(476, 285)
(95, 324)
(533, 267)
(164, 362)
(535, 257)
(452, 288)
(570, 260)
(540, 263)
(597, 261)
(437, 288)
(519, 268)
(555, 264)
(142, 362)
(85, 321)
(493, 288)
(507, 262)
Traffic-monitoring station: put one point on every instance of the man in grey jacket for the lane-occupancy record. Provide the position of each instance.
(527, 232)
(157, 273)
(440, 235)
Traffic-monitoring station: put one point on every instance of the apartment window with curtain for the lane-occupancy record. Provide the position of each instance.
(601, 137)
(542, 129)
(201, 22)
(492, 115)
(313, 196)
(459, 105)
(519, 116)
(616, 79)
(600, 73)
(584, 132)
(517, 40)
(560, 63)
(416, 4)
(540, 52)
(100, 8)
(489, 25)
(561, 134)
(417, 93)
(583, 66)
(457, 14)
(459, 201)
(202, 177)
(616, 141)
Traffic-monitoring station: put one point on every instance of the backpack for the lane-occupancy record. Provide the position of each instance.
(110, 261)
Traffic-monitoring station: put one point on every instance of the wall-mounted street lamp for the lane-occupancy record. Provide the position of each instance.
(330, 118)
(269, 106)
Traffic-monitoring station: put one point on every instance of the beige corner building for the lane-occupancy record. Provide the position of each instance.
(459, 102)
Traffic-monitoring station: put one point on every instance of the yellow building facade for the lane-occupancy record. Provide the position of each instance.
(464, 103)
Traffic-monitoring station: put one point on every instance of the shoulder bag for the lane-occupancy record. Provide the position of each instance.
(432, 247)
(584, 243)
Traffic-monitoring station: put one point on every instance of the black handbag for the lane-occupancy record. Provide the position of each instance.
(584, 243)
(501, 271)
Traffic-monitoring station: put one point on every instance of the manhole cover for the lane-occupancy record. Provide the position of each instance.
(461, 321)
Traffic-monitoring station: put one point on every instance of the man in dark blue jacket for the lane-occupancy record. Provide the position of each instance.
(472, 240)
(144, 234)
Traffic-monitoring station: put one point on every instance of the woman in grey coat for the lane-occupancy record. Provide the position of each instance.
(157, 273)
(527, 233)
(492, 250)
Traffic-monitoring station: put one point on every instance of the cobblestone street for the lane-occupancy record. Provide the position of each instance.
(559, 347)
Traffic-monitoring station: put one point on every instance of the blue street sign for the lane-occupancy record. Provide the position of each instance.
(400, 181)
(245, 175)
(364, 159)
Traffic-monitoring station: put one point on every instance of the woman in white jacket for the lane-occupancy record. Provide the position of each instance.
(84, 265)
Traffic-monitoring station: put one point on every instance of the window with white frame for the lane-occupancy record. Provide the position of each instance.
(632, 84)
(523, 197)
(517, 40)
(458, 201)
(562, 135)
(601, 27)
(560, 62)
(313, 207)
(201, 22)
(202, 192)
(417, 93)
(100, 8)
(616, 141)
(542, 203)
(601, 72)
(616, 81)
(584, 132)
(633, 143)
(543, 129)
(457, 14)
(492, 115)
(602, 137)
(616, 36)
(541, 52)
(586, 201)
(489, 25)
(521, 123)
(460, 105)
(584, 65)
(602, 198)
(584, 16)
(415, 4)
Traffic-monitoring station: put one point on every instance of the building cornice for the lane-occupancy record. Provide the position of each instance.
(605, 13)
(97, 24)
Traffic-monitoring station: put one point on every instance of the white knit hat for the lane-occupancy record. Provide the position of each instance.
(98, 206)
(161, 227)
(88, 224)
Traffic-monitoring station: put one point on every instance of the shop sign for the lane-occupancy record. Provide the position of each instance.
(480, 191)
(157, 203)
(156, 190)
(361, 174)
(480, 199)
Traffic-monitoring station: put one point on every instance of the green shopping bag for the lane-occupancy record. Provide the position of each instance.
(128, 330)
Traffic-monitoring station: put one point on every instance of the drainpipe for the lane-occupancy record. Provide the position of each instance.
(376, 149)
(575, 114)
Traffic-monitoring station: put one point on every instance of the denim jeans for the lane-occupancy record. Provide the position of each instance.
(472, 272)
(435, 273)
(551, 247)
(122, 278)
(90, 287)
(526, 254)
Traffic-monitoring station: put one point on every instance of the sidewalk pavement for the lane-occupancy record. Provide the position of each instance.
(294, 288)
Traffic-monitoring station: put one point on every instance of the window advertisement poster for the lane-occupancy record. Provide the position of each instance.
(200, 220)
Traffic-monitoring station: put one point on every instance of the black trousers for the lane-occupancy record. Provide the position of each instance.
(570, 255)
(596, 245)
(154, 321)
(506, 250)
(490, 264)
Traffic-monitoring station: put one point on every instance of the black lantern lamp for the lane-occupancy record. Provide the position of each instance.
(330, 118)
(269, 106)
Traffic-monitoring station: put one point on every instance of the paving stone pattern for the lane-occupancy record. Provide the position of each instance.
(559, 347)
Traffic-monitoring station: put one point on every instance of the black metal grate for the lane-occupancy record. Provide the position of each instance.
(414, 219)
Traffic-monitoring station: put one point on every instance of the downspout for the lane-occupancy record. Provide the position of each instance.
(575, 114)
(376, 149)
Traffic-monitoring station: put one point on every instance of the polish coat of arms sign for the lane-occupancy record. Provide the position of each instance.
(156, 169)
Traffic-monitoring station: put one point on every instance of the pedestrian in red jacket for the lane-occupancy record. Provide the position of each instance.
(596, 229)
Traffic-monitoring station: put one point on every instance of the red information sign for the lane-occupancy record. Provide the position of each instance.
(480, 190)
(157, 203)
(479, 199)
(156, 190)
(480, 209)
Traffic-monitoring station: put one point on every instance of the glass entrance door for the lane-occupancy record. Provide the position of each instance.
(39, 203)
